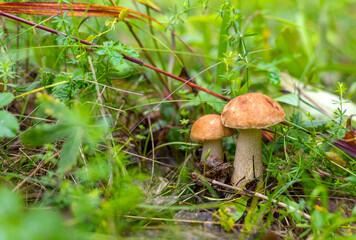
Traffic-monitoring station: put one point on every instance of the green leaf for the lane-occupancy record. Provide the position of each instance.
(109, 50)
(8, 124)
(240, 207)
(10, 203)
(351, 179)
(274, 77)
(45, 133)
(216, 103)
(354, 210)
(128, 50)
(313, 123)
(54, 108)
(318, 219)
(76, 125)
(70, 151)
(235, 210)
(94, 130)
(114, 51)
(227, 222)
(5, 98)
(34, 223)
(297, 217)
(231, 212)
(213, 19)
(65, 91)
(290, 99)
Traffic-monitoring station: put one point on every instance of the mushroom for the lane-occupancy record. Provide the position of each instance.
(250, 113)
(209, 131)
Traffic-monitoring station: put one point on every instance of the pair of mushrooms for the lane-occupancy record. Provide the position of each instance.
(249, 113)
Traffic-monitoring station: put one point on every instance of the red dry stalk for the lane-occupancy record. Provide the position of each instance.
(77, 9)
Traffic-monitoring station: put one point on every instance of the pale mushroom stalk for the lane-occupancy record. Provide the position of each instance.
(209, 131)
(215, 147)
(248, 156)
(250, 113)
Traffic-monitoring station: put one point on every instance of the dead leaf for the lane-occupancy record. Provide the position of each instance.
(214, 168)
(350, 136)
(77, 9)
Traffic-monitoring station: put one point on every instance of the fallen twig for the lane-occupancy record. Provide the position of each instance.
(176, 220)
(259, 195)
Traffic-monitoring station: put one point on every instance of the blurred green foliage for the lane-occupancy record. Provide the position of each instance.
(17, 222)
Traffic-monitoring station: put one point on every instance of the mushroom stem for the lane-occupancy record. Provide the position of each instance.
(215, 147)
(248, 157)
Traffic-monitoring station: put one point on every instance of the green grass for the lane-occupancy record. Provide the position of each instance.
(99, 146)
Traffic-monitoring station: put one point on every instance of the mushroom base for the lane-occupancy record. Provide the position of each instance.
(215, 147)
(248, 157)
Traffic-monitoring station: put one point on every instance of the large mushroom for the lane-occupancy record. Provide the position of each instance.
(209, 131)
(250, 113)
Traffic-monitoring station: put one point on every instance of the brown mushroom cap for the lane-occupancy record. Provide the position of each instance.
(252, 110)
(209, 128)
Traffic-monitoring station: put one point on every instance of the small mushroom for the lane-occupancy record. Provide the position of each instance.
(250, 113)
(209, 131)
